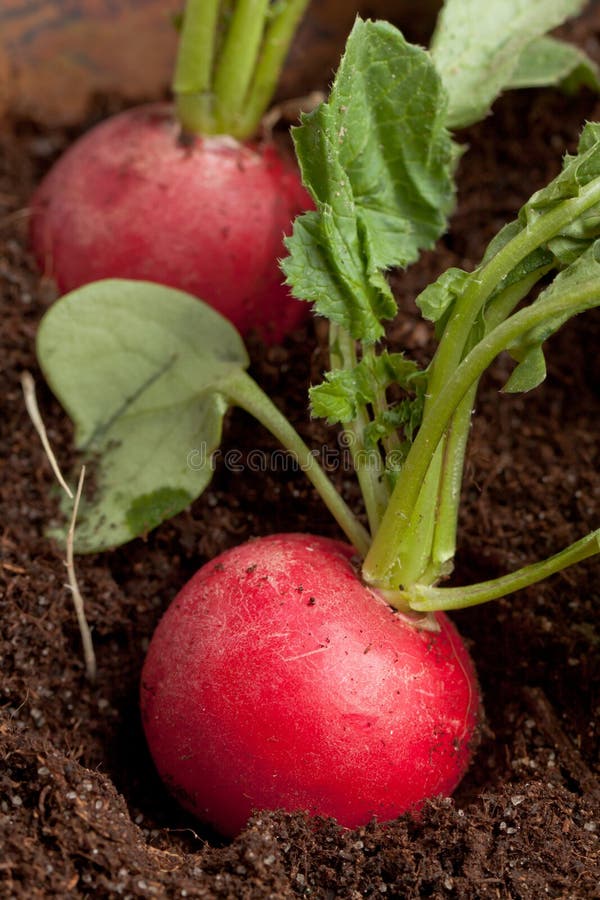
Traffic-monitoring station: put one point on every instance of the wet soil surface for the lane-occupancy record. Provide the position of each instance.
(82, 812)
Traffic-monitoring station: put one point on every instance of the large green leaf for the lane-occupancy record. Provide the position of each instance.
(479, 47)
(378, 161)
(139, 368)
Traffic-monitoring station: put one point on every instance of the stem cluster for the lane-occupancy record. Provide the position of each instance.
(230, 57)
(416, 537)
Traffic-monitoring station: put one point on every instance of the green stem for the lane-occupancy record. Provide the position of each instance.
(453, 344)
(381, 564)
(446, 524)
(427, 550)
(237, 61)
(501, 307)
(429, 599)
(391, 443)
(229, 94)
(414, 551)
(368, 464)
(275, 47)
(192, 81)
(444, 542)
(244, 392)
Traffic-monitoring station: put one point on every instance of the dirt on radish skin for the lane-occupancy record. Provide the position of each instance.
(131, 199)
(276, 679)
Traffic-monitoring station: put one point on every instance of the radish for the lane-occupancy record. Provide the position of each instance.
(293, 671)
(161, 194)
(278, 679)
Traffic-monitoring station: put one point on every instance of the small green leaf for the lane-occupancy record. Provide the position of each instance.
(404, 416)
(139, 368)
(548, 61)
(565, 246)
(577, 171)
(378, 162)
(579, 285)
(438, 298)
(339, 396)
(529, 373)
(344, 391)
(478, 47)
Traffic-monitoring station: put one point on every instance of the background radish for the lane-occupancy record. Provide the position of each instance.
(278, 679)
(160, 194)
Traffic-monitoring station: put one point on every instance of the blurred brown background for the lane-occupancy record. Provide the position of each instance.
(56, 54)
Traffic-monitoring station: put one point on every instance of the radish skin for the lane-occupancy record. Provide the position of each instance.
(131, 200)
(277, 679)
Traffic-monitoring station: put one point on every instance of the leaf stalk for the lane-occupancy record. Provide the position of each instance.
(224, 86)
(424, 598)
(243, 391)
(368, 464)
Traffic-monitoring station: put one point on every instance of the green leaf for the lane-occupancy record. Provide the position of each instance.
(478, 47)
(138, 368)
(577, 172)
(530, 372)
(339, 396)
(404, 416)
(378, 162)
(344, 391)
(548, 61)
(438, 298)
(564, 247)
(579, 285)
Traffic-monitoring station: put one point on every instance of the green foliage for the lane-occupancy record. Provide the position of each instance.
(147, 373)
(480, 48)
(549, 61)
(149, 510)
(138, 368)
(339, 397)
(344, 392)
(377, 160)
(438, 298)
(579, 287)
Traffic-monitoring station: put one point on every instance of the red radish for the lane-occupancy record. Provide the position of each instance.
(130, 200)
(277, 679)
(185, 196)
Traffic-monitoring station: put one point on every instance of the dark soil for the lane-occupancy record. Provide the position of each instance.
(82, 813)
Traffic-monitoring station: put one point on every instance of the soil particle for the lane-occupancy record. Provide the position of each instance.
(82, 813)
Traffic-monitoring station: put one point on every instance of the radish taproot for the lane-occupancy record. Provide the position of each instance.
(248, 696)
(186, 195)
(278, 679)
